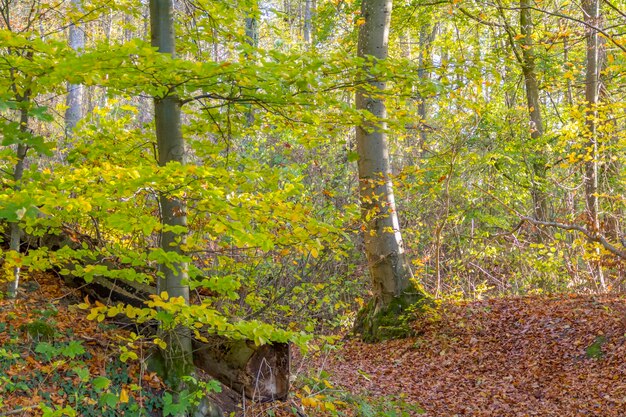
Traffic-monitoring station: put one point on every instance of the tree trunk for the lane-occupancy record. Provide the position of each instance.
(390, 272)
(18, 172)
(171, 148)
(74, 102)
(309, 10)
(537, 162)
(252, 39)
(592, 18)
(258, 372)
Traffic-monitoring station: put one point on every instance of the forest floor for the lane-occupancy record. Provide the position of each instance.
(528, 356)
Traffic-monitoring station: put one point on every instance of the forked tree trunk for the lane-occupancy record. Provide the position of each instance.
(390, 272)
(171, 148)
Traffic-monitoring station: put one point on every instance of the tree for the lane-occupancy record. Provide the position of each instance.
(171, 149)
(76, 41)
(592, 70)
(391, 275)
(527, 61)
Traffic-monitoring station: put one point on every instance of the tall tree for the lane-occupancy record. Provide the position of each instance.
(391, 275)
(592, 68)
(76, 41)
(18, 172)
(171, 149)
(527, 61)
(309, 10)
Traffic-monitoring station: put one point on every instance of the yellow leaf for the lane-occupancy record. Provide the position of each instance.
(164, 295)
(124, 396)
(160, 343)
(360, 21)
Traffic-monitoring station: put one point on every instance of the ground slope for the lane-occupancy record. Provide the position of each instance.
(532, 356)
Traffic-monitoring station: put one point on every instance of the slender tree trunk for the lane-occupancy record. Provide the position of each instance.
(427, 37)
(18, 172)
(390, 272)
(592, 17)
(309, 10)
(252, 39)
(538, 163)
(171, 148)
(569, 94)
(74, 102)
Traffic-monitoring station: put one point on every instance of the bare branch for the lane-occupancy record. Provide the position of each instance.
(593, 237)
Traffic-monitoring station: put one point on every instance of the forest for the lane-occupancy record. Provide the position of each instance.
(312, 208)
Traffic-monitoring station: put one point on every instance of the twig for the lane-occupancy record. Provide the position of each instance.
(18, 410)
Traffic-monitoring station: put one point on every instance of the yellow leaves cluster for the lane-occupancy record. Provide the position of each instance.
(319, 400)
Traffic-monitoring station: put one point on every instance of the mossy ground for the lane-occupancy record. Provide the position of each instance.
(377, 321)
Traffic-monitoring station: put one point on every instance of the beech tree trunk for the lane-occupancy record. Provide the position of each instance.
(18, 172)
(592, 18)
(74, 102)
(307, 29)
(537, 160)
(259, 372)
(390, 272)
(171, 148)
(252, 39)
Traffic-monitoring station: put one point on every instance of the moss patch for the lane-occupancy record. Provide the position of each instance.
(377, 321)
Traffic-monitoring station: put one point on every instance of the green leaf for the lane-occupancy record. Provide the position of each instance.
(46, 349)
(100, 383)
(353, 156)
(73, 349)
(594, 350)
(41, 113)
(83, 373)
(109, 399)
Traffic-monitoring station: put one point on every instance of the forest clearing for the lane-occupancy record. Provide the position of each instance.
(312, 208)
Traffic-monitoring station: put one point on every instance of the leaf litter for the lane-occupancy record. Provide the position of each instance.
(528, 356)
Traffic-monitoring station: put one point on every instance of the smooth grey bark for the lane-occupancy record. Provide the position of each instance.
(426, 38)
(252, 39)
(389, 269)
(309, 7)
(74, 101)
(18, 172)
(171, 148)
(390, 272)
(252, 31)
(537, 162)
(592, 18)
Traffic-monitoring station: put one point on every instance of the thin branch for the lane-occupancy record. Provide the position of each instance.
(612, 6)
(18, 410)
(479, 20)
(601, 31)
(593, 237)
